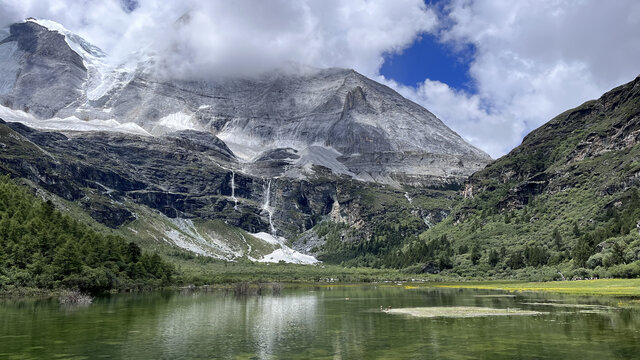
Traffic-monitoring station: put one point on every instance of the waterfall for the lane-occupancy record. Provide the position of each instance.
(233, 190)
(266, 207)
(409, 199)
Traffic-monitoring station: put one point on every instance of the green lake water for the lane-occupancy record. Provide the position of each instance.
(322, 323)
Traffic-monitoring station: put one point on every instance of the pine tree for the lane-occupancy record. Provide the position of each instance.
(582, 251)
(476, 253)
(494, 257)
(557, 239)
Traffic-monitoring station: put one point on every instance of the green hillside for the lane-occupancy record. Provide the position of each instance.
(565, 200)
(43, 248)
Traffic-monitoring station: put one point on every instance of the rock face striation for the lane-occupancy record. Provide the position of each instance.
(335, 118)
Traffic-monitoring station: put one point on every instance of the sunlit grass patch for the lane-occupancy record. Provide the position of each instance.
(611, 287)
(629, 303)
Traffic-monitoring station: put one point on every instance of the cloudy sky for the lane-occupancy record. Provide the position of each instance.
(492, 70)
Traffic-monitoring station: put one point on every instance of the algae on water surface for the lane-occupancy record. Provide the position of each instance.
(460, 312)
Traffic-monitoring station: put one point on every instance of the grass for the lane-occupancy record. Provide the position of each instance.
(609, 287)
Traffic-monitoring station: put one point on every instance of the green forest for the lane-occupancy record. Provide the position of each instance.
(42, 248)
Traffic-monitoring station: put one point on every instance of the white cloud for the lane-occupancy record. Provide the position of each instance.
(533, 60)
(241, 35)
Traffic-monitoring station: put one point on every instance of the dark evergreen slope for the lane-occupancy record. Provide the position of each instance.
(40, 247)
(566, 198)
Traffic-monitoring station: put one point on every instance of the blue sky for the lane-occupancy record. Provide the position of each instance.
(495, 70)
(429, 58)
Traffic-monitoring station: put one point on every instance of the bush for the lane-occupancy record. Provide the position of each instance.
(626, 271)
(580, 274)
(594, 261)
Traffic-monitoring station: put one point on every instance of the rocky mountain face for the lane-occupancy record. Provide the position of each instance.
(242, 167)
(139, 184)
(335, 118)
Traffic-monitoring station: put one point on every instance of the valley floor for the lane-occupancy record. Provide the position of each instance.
(203, 271)
(220, 273)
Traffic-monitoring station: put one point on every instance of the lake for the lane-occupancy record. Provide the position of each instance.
(343, 322)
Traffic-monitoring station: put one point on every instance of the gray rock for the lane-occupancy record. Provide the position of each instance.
(42, 73)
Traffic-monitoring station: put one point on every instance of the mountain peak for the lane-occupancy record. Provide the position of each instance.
(81, 46)
(49, 24)
(341, 119)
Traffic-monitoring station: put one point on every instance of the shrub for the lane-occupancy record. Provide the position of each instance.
(627, 271)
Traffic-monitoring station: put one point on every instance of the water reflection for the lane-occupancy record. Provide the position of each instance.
(337, 323)
(254, 323)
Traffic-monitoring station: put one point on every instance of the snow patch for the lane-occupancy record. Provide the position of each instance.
(266, 237)
(249, 148)
(71, 123)
(178, 121)
(284, 253)
(322, 155)
(288, 255)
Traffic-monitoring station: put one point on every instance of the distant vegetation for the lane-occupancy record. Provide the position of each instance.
(575, 233)
(609, 287)
(42, 248)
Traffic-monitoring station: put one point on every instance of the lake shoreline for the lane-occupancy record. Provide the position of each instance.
(598, 287)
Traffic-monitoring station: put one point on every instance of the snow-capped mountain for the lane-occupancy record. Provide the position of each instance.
(336, 118)
(226, 167)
